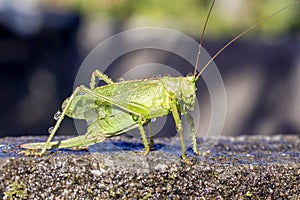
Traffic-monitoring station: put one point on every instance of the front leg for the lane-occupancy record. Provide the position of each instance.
(178, 123)
(190, 120)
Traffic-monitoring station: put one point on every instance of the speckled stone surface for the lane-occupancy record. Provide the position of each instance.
(248, 167)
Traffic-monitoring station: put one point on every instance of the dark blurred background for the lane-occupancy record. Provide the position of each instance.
(42, 44)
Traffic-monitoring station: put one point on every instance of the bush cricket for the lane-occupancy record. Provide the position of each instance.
(108, 114)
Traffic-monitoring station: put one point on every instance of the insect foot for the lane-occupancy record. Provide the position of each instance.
(30, 152)
(188, 161)
(80, 148)
(144, 152)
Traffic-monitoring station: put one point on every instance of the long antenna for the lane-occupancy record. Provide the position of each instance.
(241, 34)
(202, 37)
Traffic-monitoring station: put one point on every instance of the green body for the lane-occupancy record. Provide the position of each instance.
(115, 108)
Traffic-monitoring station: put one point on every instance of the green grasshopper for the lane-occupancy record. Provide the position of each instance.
(108, 114)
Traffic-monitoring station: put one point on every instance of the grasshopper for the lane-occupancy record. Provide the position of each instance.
(108, 114)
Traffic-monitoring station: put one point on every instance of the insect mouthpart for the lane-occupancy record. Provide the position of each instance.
(188, 103)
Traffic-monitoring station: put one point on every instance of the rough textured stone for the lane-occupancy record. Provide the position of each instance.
(248, 167)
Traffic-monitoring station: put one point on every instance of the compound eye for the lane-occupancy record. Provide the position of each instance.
(190, 77)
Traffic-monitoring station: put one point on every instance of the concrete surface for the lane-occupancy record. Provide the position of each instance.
(246, 167)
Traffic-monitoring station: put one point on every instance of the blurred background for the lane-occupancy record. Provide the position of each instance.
(43, 43)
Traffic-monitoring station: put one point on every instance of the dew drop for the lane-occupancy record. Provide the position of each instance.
(82, 93)
(153, 119)
(157, 76)
(120, 80)
(65, 103)
(102, 114)
(57, 115)
(50, 129)
(135, 117)
(90, 121)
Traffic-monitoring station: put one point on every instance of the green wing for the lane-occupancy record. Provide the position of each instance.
(136, 97)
